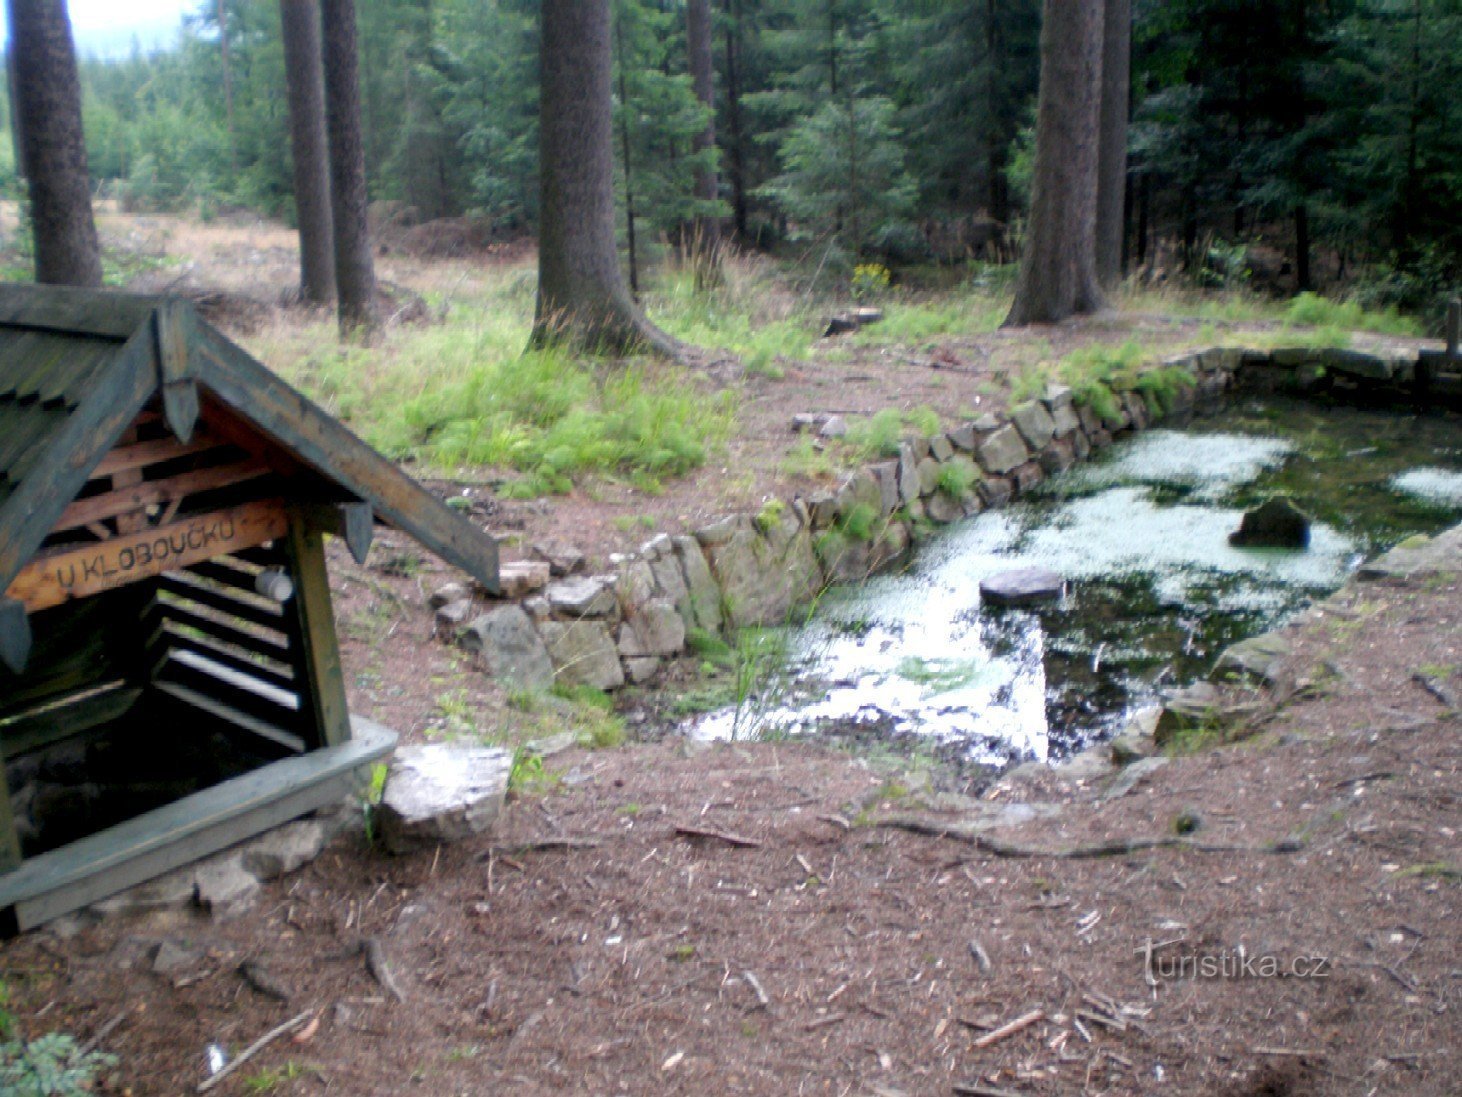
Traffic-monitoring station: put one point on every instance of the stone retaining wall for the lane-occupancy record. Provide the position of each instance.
(619, 627)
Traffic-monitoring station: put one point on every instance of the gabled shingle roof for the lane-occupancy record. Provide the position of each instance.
(77, 366)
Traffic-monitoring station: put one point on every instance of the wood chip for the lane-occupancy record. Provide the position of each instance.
(756, 988)
(380, 968)
(719, 836)
(1022, 1022)
(982, 957)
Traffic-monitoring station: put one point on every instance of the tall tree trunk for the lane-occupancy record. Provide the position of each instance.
(1058, 274)
(706, 231)
(1112, 155)
(305, 82)
(48, 111)
(582, 294)
(355, 274)
(627, 153)
(739, 207)
(998, 143)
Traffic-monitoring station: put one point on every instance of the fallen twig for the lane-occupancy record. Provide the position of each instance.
(100, 1035)
(978, 1089)
(1022, 1022)
(824, 1022)
(380, 968)
(719, 836)
(542, 845)
(1116, 847)
(836, 820)
(756, 988)
(253, 1049)
(1291, 1052)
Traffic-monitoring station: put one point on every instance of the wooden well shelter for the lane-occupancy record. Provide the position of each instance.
(166, 631)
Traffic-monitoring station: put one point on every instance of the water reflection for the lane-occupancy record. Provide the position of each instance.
(1156, 591)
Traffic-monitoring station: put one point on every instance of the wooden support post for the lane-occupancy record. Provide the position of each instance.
(9, 836)
(322, 680)
(14, 635)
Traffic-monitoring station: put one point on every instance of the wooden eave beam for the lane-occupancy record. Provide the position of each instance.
(254, 394)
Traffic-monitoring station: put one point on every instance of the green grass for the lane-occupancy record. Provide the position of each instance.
(1312, 310)
(464, 393)
(879, 435)
(913, 321)
(956, 478)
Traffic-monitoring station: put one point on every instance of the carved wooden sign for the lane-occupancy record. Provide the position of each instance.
(81, 572)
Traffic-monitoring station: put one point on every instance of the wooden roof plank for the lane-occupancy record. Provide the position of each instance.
(61, 464)
(102, 313)
(257, 395)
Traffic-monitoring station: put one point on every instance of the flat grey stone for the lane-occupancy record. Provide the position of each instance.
(173, 957)
(224, 887)
(520, 578)
(1065, 419)
(908, 474)
(172, 891)
(1003, 451)
(1128, 778)
(582, 596)
(1418, 556)
(511, 648)
(703, 595)
(1022, 587)
(962, 438)
(442, 792)
(1260, 656)
(928, 472)
(449, 593)
(284, 849)
(1354, 363)
(653, 629)
(562, 559)
(583, 654)
(940, 447)
(1034, 423)
(452, 616)
(835, 427)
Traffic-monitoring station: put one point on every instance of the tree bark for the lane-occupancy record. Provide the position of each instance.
(1116, 87)
(582, 296)
(355, 275)
(48, 113)
(997, 139)
(740, 214)
(706, 230)
(305, 83)
(1058, 274)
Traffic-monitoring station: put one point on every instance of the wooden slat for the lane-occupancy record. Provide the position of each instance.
(278, 678)
(319, 667)
(250, 610)
(265, 729)
(152, 492)
(79, 573)
(226, 572)
(179, 833)
(61, 721)
(269, 645)
(155, 452)
(241, 692)
(255, 394)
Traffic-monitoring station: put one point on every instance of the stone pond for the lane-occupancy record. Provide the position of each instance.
(1154, 589)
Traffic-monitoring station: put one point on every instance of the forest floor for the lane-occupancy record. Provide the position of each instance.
(590, 946)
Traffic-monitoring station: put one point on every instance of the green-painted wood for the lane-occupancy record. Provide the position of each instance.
(255, 644)
(9, 836)
(353, 523)
(63, 308)
(253, 610)
(321, 675)
(180, 408)
(267, 674)
(258, 396)
(15, 637)
(103, 864)
(106, 408)
(28, 733)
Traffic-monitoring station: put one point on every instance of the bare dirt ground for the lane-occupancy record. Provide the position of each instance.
(589, 946)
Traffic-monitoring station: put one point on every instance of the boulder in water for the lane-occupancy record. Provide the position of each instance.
(1278, 523)
(1023, 587)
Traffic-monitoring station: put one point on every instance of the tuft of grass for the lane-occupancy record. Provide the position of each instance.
(859, 522)
(879, 435)
(771, 514)
(1312, 310)
(910, 321)
(956, 478)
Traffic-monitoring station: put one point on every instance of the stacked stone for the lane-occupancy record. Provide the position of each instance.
(620, 627)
